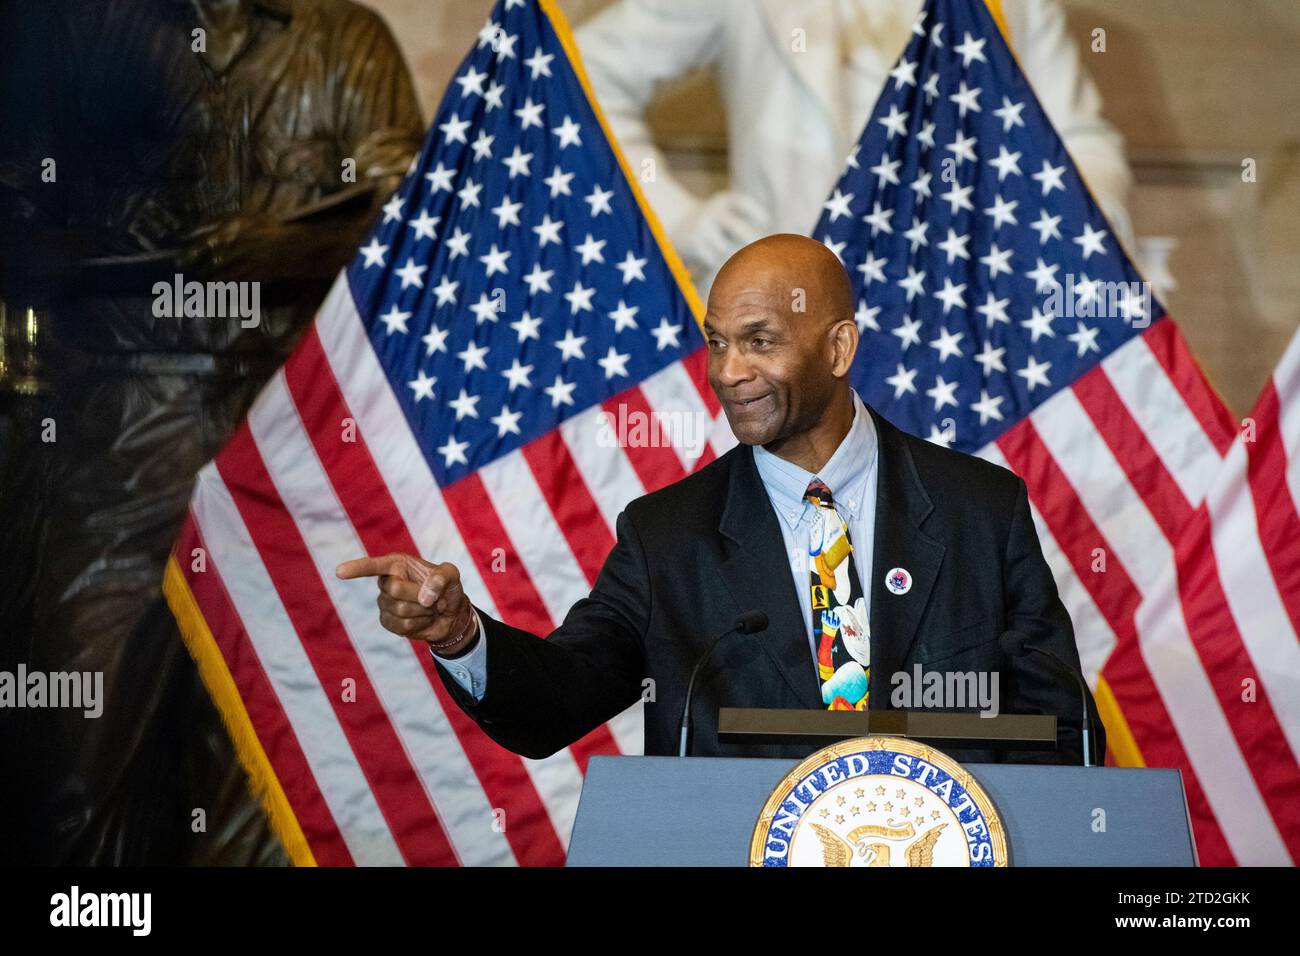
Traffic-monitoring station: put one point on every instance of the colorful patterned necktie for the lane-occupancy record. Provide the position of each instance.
(839, 611)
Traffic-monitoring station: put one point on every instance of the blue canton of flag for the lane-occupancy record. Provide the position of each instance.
(986, 276)
(513, 281)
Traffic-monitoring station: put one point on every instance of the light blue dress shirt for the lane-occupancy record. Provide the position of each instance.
(851, 476)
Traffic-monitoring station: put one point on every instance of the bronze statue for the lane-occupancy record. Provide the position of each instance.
(237, 140)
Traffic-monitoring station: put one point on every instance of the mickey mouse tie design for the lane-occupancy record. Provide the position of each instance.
(839, 612)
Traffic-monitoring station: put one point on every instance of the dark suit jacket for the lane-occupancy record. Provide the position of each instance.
(692, 556)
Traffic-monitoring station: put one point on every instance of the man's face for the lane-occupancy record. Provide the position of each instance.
(768, 365)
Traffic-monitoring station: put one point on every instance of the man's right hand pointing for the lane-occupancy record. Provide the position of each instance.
(419, 600)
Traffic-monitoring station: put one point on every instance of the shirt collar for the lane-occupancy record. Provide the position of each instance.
(845, 473)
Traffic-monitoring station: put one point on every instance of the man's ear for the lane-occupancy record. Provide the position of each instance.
(844, 345)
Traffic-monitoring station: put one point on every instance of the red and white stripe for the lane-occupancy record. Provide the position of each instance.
(1181, 577)
(377, 762)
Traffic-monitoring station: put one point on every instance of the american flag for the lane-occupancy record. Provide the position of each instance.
(449, 400)
(1000, 316)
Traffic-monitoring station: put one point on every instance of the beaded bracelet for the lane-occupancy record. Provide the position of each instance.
(465, 632)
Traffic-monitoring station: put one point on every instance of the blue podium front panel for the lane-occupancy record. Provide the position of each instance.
(701, 811)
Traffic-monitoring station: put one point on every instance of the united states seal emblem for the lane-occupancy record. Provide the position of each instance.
(878, 801)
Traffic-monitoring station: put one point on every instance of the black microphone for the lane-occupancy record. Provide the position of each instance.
(1015, 644)
(751, 622)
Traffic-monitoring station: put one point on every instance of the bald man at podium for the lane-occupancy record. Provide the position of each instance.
(869, 552)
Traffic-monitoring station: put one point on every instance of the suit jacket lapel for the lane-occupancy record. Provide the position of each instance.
(901, 506)
(758, 576)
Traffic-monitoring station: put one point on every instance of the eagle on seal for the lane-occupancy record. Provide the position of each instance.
(841, 852)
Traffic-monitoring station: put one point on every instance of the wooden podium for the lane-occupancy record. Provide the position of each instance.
(934, 728)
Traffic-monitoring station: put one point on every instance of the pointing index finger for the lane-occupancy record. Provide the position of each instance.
(366, 568)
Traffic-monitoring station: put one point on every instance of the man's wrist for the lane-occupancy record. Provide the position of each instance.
(461, 644)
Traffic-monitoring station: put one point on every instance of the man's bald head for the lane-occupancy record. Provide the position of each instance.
(781, 338)
(791, 263)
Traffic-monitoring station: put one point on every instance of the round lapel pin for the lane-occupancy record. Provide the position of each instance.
(898, 580)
